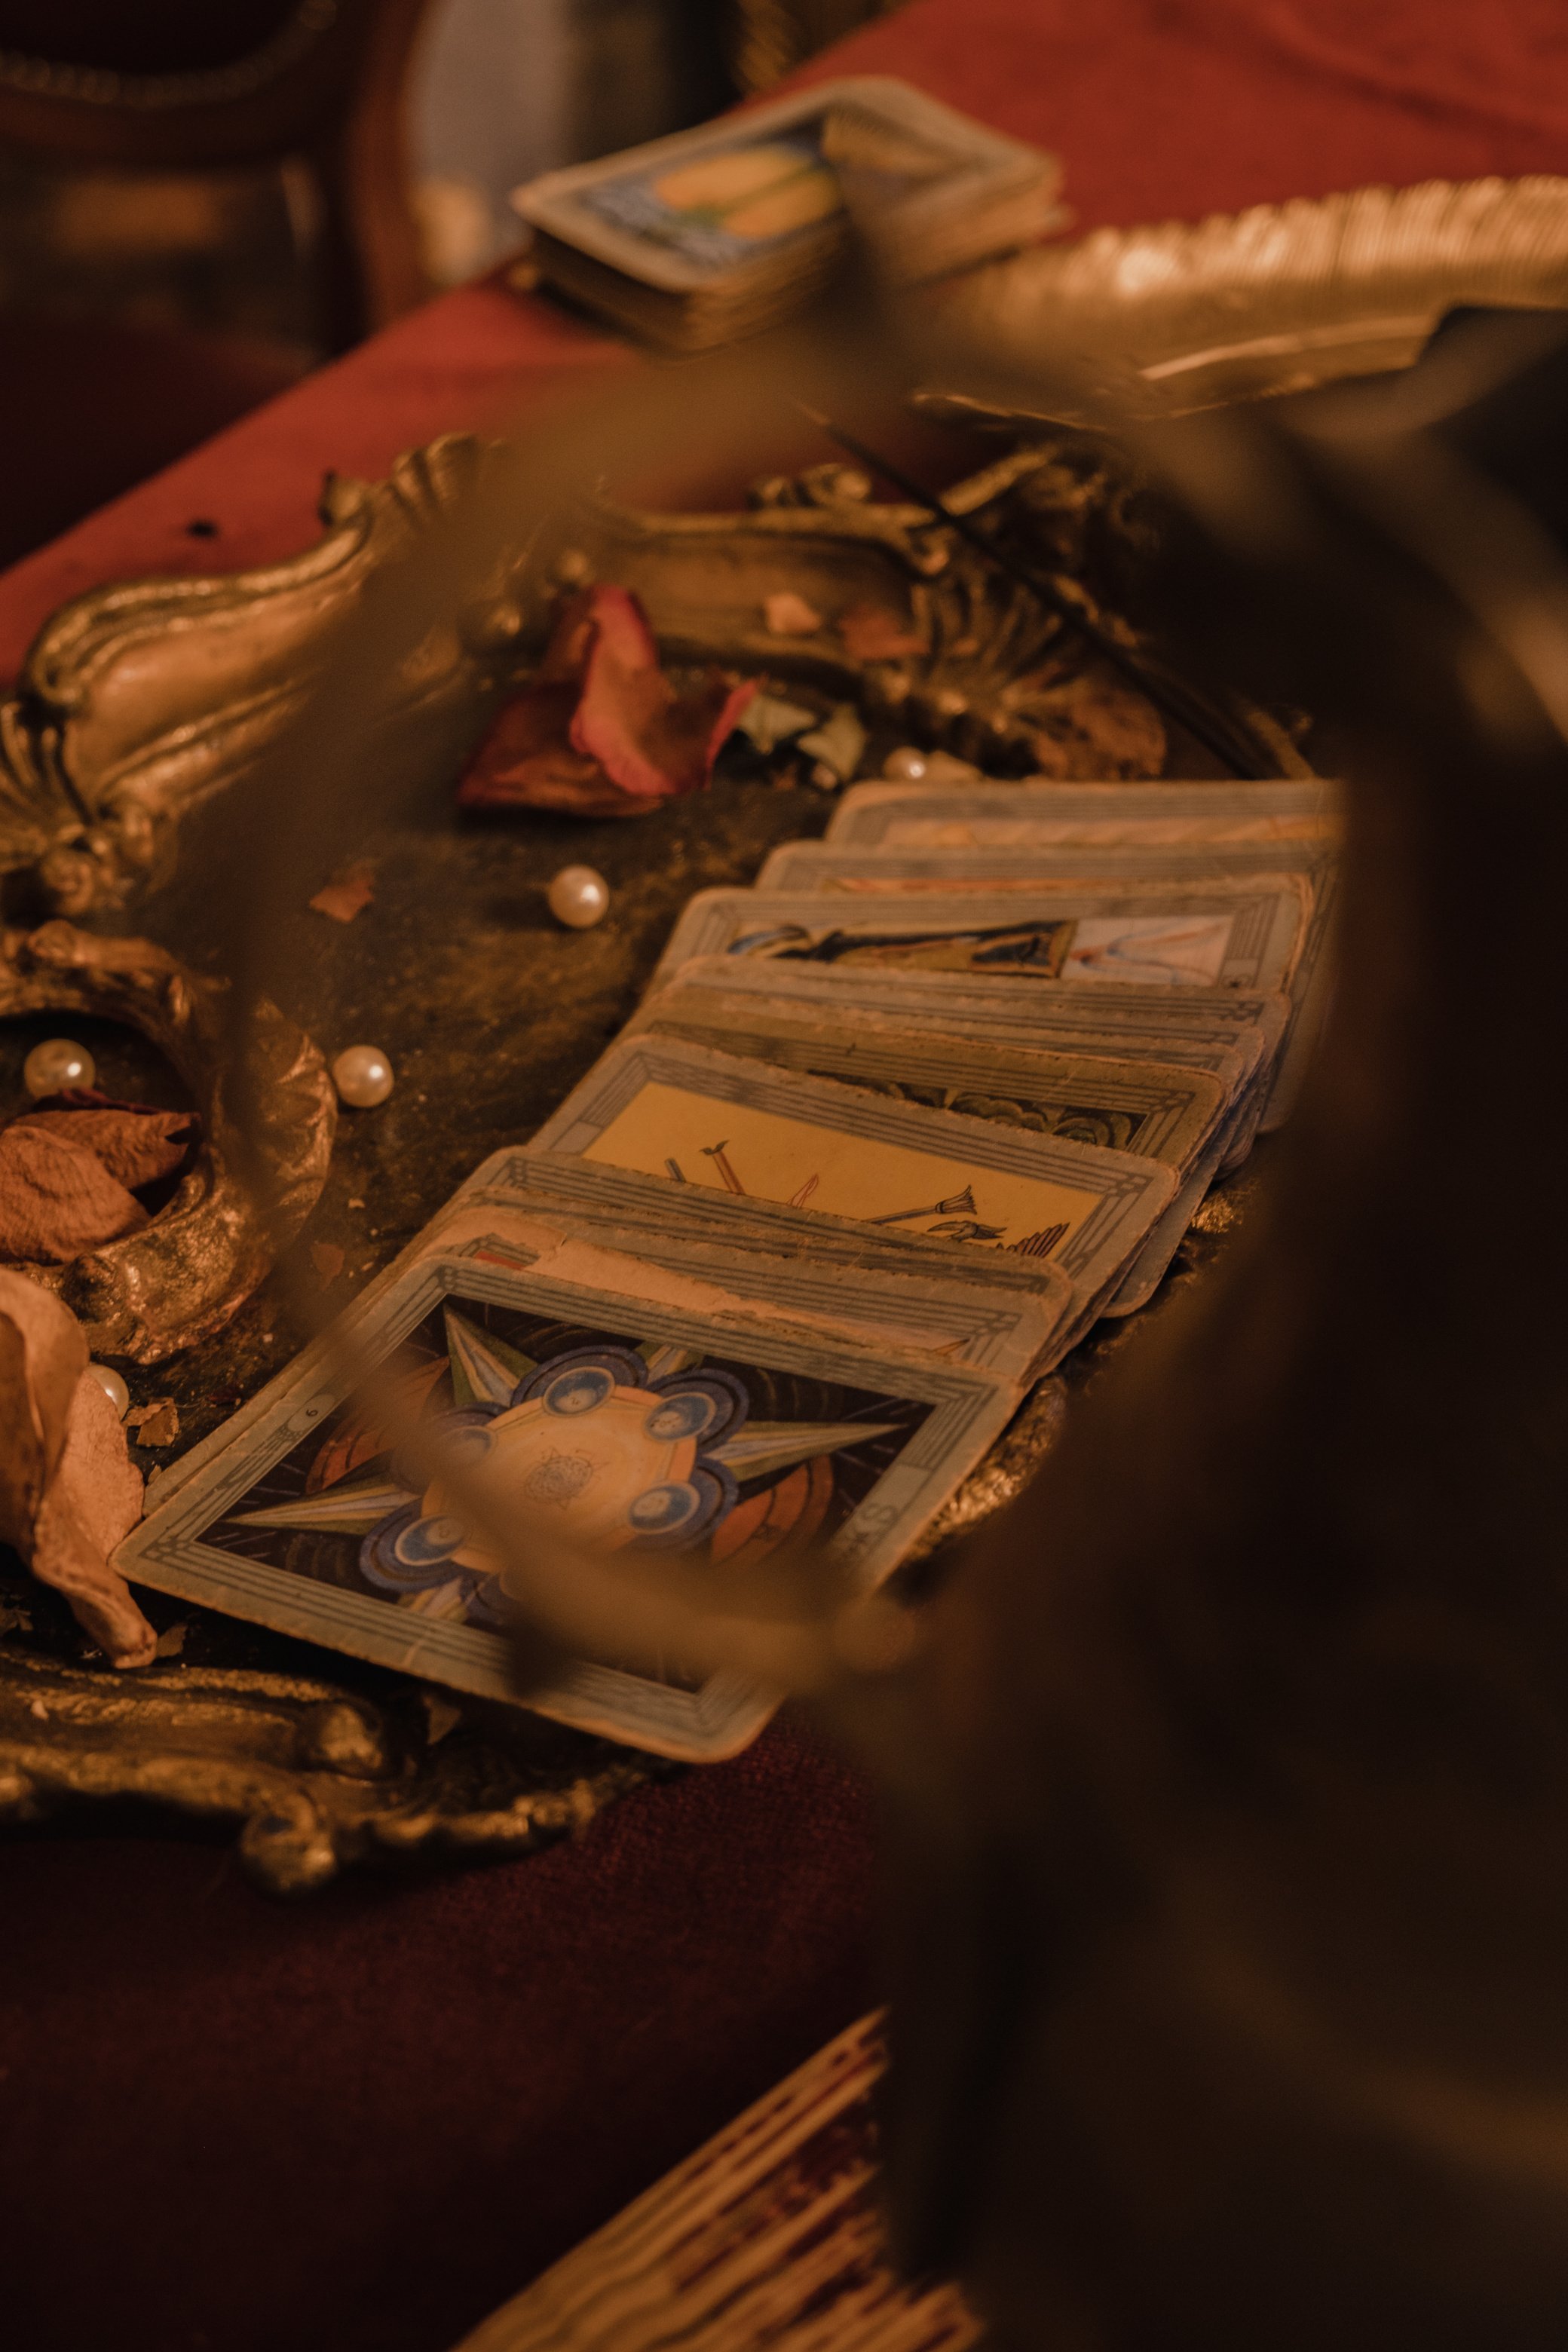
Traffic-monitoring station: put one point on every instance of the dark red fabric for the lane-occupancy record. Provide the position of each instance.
(1166, 109)
(228, 2124)
(358, 2123)
(100, 406)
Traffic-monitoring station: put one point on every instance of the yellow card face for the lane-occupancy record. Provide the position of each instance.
(697, 1138)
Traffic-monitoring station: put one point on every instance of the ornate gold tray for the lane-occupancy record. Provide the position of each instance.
(144, 706)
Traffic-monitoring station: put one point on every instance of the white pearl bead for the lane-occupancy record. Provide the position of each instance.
(57, 1063)
(905, 766)
(113, 1387)
(579, 898)
(362, 1076)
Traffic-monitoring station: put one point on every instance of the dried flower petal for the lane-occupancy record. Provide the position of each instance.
(839, 744)
(601, 732)
(57, 1198)
(67, 1489)
(789, 615)
(871, 632)
(349, 894)
(328, 1260)
(136, 1146)
(157, 1424)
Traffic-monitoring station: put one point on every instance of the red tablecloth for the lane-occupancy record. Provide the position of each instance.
(360, 2124)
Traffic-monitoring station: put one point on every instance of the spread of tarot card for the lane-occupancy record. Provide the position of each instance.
(889, 1132)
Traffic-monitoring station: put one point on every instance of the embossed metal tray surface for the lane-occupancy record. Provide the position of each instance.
(1282, 297)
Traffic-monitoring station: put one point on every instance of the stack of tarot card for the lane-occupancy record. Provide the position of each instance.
(696, 239)
(886, 1135)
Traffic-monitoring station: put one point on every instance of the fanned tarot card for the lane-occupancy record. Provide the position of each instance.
(1007, 1315)
(1082, 816)
(1182, 1117)
(1202, 1029)
(1234, 1034)
(1221, 936)
(830, 866)
(1161, 1111)
(1004, 1311)
(711, 1119)
(616, 1418)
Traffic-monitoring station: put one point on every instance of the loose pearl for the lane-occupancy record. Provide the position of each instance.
(57, 1063)
(113, 1387)
(362, 1076)
(579, 898)
(905, 766)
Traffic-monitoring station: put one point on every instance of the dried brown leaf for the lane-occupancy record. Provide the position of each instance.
(57, 1198)
(328, 1260)
(134, 1146)
(349, 894)
(789, 615)
(871, 632)
(67, 1489)
(157, 1424)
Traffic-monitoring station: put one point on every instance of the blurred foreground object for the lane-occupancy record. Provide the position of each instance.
(171, 87)
(1233, 1793)
(194, 97)
(768, 38)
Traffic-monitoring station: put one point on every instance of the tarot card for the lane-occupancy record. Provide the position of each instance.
(1232, 1034)
(1031, 816)
(719, 229)
(815, 1270)
(604, 1416)
(973, 1004)
(866, 873)
(1159, 1111)
(1261, 936)
(713, 1119)
(1209, 1022)
(1178, 1117)
(1221, 936)
(598, 1194)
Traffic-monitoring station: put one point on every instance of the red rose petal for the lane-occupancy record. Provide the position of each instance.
(601, 732)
